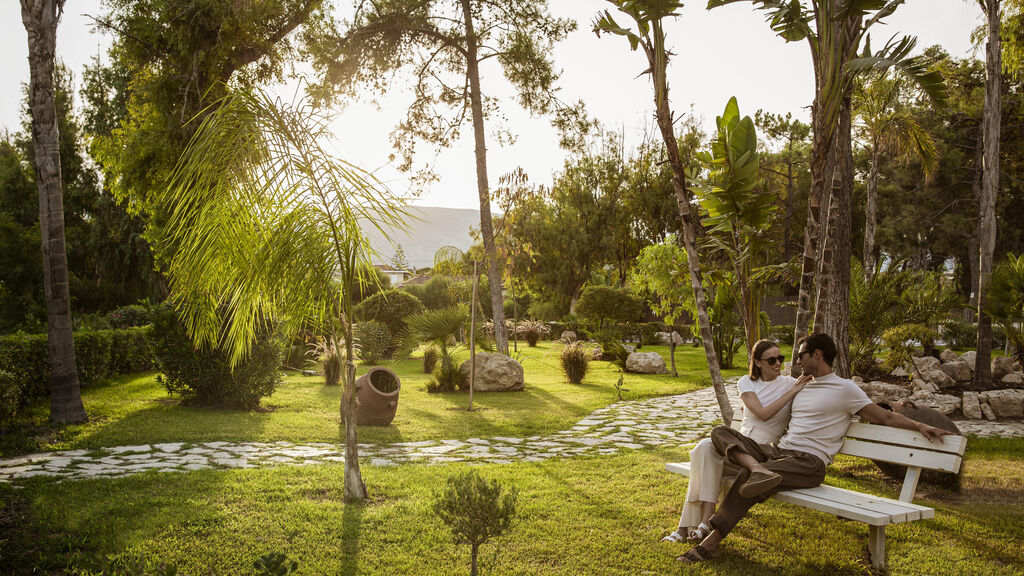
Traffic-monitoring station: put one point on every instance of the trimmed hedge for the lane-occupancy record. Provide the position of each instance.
(25, 364)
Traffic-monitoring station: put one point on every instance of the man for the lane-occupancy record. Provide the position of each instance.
(821, 415)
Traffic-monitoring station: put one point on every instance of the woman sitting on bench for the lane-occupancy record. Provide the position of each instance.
(766, 394)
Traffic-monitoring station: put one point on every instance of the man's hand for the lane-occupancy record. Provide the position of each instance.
(932, 433)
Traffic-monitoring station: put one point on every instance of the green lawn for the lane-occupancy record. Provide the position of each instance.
(137, 410)
(582, 516)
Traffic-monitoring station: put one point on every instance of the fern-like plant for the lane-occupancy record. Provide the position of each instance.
(575, 360)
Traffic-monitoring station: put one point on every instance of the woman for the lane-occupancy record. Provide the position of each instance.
(766, 394)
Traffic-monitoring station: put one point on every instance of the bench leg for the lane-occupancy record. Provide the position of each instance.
(876, 546)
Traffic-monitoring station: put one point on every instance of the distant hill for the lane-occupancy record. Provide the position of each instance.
(432, 228)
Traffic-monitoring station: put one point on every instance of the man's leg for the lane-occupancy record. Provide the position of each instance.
(744, 452)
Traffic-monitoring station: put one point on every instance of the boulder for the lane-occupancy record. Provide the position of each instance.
(646, 363)
(629, 348)
(496, 373)
(568, 337)
(987, 411)
(856, 379)
(596, 353)
(948, 356)
(919, 384)
(971, 406)
(925, 364)
(942, 402)
(959, 371)
(900, 372)
(940, 379)
(969, 357)
(883, 392)
(1005, 403)
(1001, 366)
(1013, 379)
(664, 338)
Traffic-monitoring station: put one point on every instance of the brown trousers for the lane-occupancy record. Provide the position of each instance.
(798, 470)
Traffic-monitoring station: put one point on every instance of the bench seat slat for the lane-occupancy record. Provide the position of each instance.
(901, 455)
(908, 438)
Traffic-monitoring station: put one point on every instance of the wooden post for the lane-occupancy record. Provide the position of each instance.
(472, 337)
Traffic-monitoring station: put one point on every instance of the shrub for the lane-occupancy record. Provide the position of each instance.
(326, 353)
(532, 331)
(781, 333)
(10, 398)
(430, 356)
(204, 377)
(475, 510)
(373, 340)
(575, 362)
(959, 334)
(391, 308)
(128, 316)
(600, 304)
(448, 376)
(901, 340)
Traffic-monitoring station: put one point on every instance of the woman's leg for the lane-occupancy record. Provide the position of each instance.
(703, 489)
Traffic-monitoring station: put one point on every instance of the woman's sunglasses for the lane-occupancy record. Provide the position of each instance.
(772, 360)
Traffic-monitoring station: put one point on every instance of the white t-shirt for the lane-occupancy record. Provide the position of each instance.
(821, 415)
(758, 430)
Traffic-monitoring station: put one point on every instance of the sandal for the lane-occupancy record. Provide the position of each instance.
(676, 536)
(699, 533)
(696, 554)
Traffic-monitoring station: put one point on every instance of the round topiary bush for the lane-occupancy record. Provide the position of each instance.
(391, 308)
(203, 377)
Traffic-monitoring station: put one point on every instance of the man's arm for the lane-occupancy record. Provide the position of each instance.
(877, 415)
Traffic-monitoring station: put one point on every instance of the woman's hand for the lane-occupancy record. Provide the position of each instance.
(801, 382)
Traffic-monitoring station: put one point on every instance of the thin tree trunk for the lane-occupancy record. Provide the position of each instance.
(473, 568)
(787, 236)
(870, 215)
(486, 227)
(355, 489)
(672, 351)
(973, 242)
(989, 189)
(472, 337)
(837, 298)
(657, 57)
(40, 18)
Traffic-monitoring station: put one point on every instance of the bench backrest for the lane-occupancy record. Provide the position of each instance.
(905, 447)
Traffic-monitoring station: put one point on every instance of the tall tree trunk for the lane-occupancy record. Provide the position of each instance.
(787, 235)
(973, 242)
(355, 489)
(482, 186)
(837, 298)
(658, 59)
(870, 214)
(40, 18)
(989, 189)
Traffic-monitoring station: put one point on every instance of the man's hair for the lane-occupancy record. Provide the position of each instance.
(819, 341)
(760, 347)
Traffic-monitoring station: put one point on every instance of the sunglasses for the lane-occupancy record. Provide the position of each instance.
(772, 360)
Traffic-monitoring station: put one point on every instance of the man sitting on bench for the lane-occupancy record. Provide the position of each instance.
(821, 415)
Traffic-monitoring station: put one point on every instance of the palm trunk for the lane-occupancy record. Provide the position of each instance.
(973, 242)
(40, 18)
(870, 215)
(787, 236)
(989, 189)
(658, 59)
(486, 227)
(355, 489)
(837, 298)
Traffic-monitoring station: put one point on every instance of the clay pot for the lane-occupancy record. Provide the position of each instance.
(377, 391)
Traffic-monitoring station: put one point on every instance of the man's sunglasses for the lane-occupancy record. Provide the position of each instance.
(772, 360)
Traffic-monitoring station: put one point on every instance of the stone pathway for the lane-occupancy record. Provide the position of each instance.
(670, 420)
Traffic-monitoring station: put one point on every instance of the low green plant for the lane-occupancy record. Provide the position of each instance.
(439, 328)
(475, 510)
(619, 387)
(10, 398)
(902, 340)
(326, 351)
(372, 340)
(204, 377)
(575, 359)
(275, 564)
(129, 316)
(959, 335)
(430, 356)
(1007, 301)
(532, 331)
(391, 307)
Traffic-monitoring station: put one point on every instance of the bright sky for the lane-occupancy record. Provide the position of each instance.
(726, 52)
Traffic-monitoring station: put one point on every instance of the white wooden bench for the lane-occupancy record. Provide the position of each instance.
(884, 443)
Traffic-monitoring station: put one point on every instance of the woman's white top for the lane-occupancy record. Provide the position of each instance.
(761, 431)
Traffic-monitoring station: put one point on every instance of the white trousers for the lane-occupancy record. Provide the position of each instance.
(706, 469)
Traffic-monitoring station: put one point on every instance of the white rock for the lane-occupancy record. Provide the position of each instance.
(948, 355)
(925, 364)
(940, 379)
(1013, 378)
(899, 372)
(959, 371)
(882, 392)
(1005, 403)
(942, 402)
(858, 379)
(1001, 366)
(970, 357)
(988, 412)
(496, 372)
(663, 338)
(646, 363)
(919, 384)
(971, 406)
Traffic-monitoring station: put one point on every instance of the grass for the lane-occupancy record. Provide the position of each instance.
(601, 515)
(137, 409)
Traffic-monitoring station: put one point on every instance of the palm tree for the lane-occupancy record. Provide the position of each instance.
(40, 18)
(989, 188)
(889, 129)
(263, 219)
(650, 35)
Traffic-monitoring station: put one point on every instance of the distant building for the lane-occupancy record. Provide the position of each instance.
(397, 277)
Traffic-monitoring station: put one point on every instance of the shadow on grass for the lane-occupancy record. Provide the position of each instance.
(351, 526)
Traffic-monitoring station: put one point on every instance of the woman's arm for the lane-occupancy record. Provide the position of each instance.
(752, 404)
